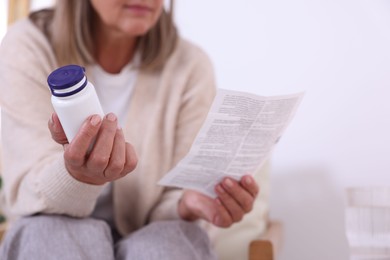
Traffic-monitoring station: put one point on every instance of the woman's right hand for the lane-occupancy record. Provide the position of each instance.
(110, 158)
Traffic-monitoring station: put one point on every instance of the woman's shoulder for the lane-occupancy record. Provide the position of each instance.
(25, 42)
(21, 32)
(188, 53)
(188, 47)
(189, 63)
(36, 23)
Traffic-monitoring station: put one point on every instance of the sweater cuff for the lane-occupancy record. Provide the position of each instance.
(168, 207)
(63, 194)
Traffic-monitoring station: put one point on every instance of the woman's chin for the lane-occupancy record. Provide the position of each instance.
(136, 30)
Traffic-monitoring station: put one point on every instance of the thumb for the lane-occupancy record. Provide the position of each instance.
(204, 206)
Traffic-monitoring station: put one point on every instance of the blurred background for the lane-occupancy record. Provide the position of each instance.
(338, 52)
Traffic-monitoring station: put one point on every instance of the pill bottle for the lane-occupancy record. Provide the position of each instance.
(73, 97)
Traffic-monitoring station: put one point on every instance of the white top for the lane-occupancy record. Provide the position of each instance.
(114, 90)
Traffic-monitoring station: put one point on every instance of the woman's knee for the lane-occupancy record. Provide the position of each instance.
(41, 225)
(167, 240)
(54, 235)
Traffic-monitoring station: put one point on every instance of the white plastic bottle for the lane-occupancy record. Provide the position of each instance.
(74, 98)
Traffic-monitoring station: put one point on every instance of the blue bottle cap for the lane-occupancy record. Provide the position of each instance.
(66, 77)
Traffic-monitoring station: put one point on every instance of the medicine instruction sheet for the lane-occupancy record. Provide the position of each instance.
(236, 138)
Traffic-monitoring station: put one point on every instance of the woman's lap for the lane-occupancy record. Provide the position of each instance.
(61, 237)
(166, 240)
(57, 237)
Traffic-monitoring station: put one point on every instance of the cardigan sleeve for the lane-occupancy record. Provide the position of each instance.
(196, 101)
(34, 174)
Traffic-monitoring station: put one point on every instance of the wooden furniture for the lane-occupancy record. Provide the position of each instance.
(17, 9)
(267, 247)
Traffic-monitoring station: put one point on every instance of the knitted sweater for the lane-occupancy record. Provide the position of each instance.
(166, 111)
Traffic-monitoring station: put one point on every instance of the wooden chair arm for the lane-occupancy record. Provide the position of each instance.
(267, 246)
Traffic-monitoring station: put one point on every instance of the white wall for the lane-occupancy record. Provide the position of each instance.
(39, 4)
(338, 51)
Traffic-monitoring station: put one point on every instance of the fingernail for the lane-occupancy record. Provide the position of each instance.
(248, 180)
(111, 117)
(229, 183)
(95, 120)
(220, 189)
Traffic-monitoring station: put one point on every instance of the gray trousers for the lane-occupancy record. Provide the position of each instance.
(59, 237)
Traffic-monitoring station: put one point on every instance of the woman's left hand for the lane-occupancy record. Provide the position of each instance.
(234, 200)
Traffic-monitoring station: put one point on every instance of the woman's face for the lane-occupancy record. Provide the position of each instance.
(130, 17)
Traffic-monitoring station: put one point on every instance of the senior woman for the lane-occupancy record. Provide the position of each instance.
(156, 89)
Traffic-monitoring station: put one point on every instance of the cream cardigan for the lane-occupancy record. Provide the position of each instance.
(166, 111)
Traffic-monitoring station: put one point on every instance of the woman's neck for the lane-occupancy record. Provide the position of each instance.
(113, 51)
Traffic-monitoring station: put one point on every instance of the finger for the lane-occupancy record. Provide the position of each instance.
(243, 198)
(102, 148)
(249, 183)
(222, 218)
(56, 130)
(131, 160)
(194, 205)
(117, 158)
(76, 151)
(235, 210)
